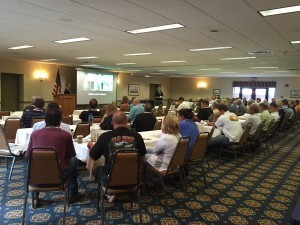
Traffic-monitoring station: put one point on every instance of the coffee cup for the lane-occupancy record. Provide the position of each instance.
(79, 139)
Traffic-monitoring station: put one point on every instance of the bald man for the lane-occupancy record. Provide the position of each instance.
(135, 110)
(111, 141)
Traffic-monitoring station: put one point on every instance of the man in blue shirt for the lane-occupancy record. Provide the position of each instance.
(135, 110)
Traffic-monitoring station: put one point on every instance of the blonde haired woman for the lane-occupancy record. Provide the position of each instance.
(106, 121)
(166, 145)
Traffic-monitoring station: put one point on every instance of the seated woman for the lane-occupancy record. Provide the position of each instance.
(106, 120)
(188, 127)
(124, 107)
(166, 145)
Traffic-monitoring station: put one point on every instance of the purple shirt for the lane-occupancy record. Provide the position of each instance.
(54, 137)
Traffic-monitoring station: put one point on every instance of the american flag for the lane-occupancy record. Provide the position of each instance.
(57, 85)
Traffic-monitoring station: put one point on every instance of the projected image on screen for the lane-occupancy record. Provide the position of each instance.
(94, 84)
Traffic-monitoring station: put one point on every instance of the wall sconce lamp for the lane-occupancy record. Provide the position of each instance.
(202, 85)
(41, 76)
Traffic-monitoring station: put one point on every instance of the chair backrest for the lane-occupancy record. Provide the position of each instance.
(157, 125)
(97, 119)
(199, 147)
(125, 168)
(10, 128)
(211, 134)
(298, 115)
(275, 126)
(82, 129)
(179, 153)
(68, 119)
(246, 133)
(160, 112)
(269, 129)
(126, 108)
(3, 142)
(284, 121)
(166, 110)
(257, 133)
(36, 119)
(43, 167)
(4, 113)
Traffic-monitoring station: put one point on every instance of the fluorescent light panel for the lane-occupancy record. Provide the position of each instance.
(119, 64)
(282, 71)
(20, 47)
(158, 28)
(138, 54)
(48, 60)
(133, 70)
(271, 12)
(178, 61)
(156, 73)
(264, 67)
(251, 57)
(228, 72)
(295, 42)
(166, 70)
(210, 69)
(72, 40)
(188, 73)
(87, 57)
(210, 49)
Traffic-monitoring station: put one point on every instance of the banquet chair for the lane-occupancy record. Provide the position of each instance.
(4, 113)
(254, 139)
(36, 119)
(157, 125)
(175, 165)
(265, 136)
(67, 119)
(198, 153)
(11, 126)
(44, 169)
(283, 125)
(233, 146)
(160, 112)
(124, 178)
(208, 140)
(166, 110)
(97, 119)
(82, 129)
(5, 152)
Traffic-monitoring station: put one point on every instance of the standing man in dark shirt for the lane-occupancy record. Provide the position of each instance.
(205, 111)
(146, 120)
(84, 115)
(38, 111)
(159, 96)
(109, 142)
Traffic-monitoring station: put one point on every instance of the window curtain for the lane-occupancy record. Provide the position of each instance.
(254, 84)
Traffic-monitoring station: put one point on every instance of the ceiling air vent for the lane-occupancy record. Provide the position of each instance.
(261, 53)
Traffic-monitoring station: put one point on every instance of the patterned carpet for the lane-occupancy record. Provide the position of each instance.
(261, 192)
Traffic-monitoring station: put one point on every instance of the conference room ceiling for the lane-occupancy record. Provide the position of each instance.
(207, 23)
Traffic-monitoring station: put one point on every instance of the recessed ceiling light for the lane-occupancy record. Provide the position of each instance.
(147, 76)
(210, 49)
(252, 57)
(264, 67)
(133, 70)
(138, 54)
(48, 60)
(283, 71)
(228, 72)
(158, 28)
(211, 69)
(119, 64)
(295, 42)
(178, 61)
(92, 65)
(271, 12)
(87, 57)
(167, 70)
(157, 73)
(20, 47)
(72, 40)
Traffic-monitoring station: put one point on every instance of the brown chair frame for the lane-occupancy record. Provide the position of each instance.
(97, 119)
(11, 126)
(124, 178)
(4, 113)
(158, 124)
(44, 169)
(175, 165)
(67, 119)
(82, 129)
(36, 119)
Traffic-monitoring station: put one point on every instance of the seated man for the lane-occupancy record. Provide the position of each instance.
(42, 124)
(183, 104)
(265, 116)
(62, 141)
(84, 115)
(287, 108)
(145, 121)
(205, 111)
(253, 110)
(231, 128)
(109, 142)
(38, 111)
(241, 109)
(30, 107)
(135, 110)
(273, 109)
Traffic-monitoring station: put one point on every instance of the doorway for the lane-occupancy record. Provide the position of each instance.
(153, 89)
(10, 91)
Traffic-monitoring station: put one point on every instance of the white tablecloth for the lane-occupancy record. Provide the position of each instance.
(77, 112)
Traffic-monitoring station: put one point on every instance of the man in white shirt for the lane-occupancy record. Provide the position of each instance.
(183, 104)
(231, 128)
(42, 124)
(253, 110)
(273, 109)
